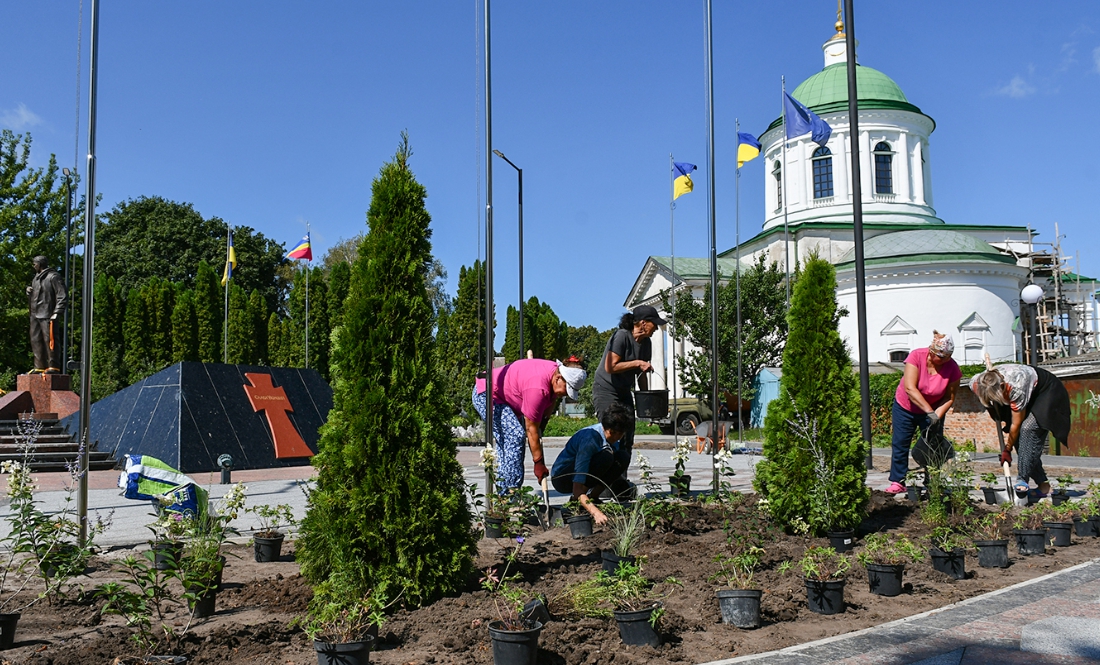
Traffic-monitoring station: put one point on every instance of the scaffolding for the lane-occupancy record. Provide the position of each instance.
(1068, 314)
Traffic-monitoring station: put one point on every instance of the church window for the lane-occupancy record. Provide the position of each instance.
(777, 171)
(823, 173)
(884, 169)
(898, 356)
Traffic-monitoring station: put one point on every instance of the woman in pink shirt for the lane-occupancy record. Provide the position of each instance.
(524, 392)
(923, 398)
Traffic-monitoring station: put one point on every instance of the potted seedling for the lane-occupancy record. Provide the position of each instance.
(992, 548)
(202, 563)
(679, 482)
(884, 556)
(994, 489)
(627, 528)
(1058, 521)
(168, 529)
(1061, 494)
(267, 541)
(913, 491)
(514, 633)
(342, 627)
(948, 551)
(1086, 523)
(577, 519)
(1031, 535)
(739, 602)
(637, 607)
(143, 592)
(825, 571)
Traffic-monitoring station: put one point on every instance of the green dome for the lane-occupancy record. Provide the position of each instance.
(925, 246)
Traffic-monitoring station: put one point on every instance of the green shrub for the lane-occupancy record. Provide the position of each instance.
(814, 469)
(388, 514)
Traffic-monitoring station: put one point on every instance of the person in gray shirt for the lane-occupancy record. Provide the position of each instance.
(626, 358)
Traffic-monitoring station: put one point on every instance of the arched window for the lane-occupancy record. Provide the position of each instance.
(777, 171)
(823, 173)
(898, 356)
(884, 169)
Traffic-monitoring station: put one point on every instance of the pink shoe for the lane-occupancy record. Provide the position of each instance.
(895, 488)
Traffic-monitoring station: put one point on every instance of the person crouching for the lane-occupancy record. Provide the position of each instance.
(593, 460)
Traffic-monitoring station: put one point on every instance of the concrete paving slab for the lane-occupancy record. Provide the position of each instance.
(1066, 636)
(951, 658)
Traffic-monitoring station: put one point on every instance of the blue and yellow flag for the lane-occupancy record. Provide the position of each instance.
(682, 183)
(230, 261)
(748, 148)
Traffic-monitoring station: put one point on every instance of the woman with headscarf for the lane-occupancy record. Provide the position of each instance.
(625, 358)
(922, 400)
(1032, 403)
(524, 393)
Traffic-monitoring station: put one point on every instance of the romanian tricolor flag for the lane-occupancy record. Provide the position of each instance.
(230, 261)
(682, 183)
(302, 251)
(748, 148)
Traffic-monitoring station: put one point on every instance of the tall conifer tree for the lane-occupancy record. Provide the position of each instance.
(208, 312)
(108, 371)
(185, 328)
(388, 512)
(462, 340)
(813, 467)
(257, 309)
(242, 328)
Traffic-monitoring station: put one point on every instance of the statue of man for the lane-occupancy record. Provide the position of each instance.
(47, 300)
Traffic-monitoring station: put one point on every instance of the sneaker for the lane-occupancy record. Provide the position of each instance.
(895, 488)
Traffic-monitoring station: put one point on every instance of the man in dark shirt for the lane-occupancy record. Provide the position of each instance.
(594, 460)
(47, 299)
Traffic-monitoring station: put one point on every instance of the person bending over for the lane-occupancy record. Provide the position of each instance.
(593, 460)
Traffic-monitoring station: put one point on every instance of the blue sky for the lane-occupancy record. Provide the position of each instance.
(272, 114)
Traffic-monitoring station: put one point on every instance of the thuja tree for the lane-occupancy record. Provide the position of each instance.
(388, 512)
(813, 471)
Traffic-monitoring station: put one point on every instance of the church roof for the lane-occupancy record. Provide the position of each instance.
(927, 245)
(696, 268)
(827, 91)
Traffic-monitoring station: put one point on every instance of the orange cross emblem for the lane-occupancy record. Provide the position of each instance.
(273, 402)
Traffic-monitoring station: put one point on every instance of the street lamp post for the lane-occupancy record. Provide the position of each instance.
(522, 349)
(1031, 295)
(65, 268)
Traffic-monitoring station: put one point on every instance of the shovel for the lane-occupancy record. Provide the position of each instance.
(1009, 493)
(546, 502)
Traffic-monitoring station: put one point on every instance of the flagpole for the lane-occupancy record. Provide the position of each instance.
(737, 278)
(488, 241)
(713, 249)
(308, 261)
(672, 315)
(784, 194)
(228, 278)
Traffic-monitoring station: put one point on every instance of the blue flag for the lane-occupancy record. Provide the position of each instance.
(801, 120)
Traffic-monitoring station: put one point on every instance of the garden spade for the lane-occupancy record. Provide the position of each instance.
(1008, 480)
(546, 502)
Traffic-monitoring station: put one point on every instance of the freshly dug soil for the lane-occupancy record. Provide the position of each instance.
(259, 601)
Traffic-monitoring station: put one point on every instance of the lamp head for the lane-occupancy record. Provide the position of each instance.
(65, 171)
(498, 154)
(1031, 294)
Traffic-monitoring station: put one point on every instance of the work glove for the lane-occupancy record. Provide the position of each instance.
(540, 469)
(933, 418)
(1006, 456)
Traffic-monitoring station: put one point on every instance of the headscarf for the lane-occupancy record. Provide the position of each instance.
(574, 379)
(942, 345)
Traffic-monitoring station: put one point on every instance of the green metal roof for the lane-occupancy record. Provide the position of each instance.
(827, 91)
(696, 268)
(936, 244)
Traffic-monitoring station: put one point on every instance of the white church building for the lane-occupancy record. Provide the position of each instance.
(922, 272)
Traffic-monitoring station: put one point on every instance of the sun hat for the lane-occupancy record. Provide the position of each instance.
(574, 379)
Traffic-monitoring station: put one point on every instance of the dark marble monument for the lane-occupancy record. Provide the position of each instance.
(190, 413)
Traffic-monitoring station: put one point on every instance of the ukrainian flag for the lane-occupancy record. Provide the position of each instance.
(302, 250)
(682, 183)
(230, 261)
(748, 148)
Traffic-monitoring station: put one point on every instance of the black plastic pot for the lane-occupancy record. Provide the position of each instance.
(514, 647)
(952, 563)
(825, 597)
(842, 541)
(580, 526)
(268, 549)
(7, 630)
(166, 554)
(494, 527)
(635, 628)
(651, 403)
(205, 606)
(681, 485)
(218, 577)
(611, 561)
(740, 607)
(992, 553)
(1057, 498)
(1058, 533)
(1085, 527)
(344, 653)
(914, 493)
(884, 579)
(1030, 542)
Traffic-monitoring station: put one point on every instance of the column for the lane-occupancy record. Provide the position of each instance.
(901, 163)
(918, 173)
(842, 168)
(657, 378)
(866, 175)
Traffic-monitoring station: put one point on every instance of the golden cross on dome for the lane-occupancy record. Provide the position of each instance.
(839, 22)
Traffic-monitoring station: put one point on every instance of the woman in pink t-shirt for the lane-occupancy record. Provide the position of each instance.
(923, 398)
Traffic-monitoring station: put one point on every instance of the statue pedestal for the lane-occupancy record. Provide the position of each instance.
(51, 393)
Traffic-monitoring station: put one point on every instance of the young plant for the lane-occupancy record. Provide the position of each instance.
(272, 518)
(335, 619)
(626, 590)
(722, 460)
(885, 549)
(143, 592)
(1030, 518)
(990, 479)
(680, 455)
(627, 529)
(738, 566)
(948, 539)
(989, 526)
(649, 481)
(507, 598)
(1065, 483)
(822, 564)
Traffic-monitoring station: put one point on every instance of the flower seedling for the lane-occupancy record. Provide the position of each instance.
(822, 564)
(886, 549)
